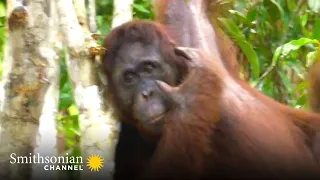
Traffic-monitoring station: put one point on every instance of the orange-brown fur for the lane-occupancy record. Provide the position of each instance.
(307, 121)
(133, 152)
(220, 128)
(183, 26)
(189, 146)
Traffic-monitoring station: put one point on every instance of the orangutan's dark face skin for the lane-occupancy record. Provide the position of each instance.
(137, 68)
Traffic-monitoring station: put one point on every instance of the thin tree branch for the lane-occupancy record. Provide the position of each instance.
(92, 16)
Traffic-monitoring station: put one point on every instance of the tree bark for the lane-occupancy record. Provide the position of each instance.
(47, 141)
(97, 127)
(92, 16)
(30, 78)
(122, 12)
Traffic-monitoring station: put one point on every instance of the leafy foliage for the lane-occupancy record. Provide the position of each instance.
(278, 39)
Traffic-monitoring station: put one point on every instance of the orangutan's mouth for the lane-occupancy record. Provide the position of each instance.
(157, 118)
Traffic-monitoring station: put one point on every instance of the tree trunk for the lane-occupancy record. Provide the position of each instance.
(92, 16)
(30, 78)
(122, 12)
(48, 127)
(97, 126)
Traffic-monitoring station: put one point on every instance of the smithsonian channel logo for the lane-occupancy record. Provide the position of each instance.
(60, 163)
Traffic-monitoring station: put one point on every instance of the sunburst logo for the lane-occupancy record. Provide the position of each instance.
(94, 162)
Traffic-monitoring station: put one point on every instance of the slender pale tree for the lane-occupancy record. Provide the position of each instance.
(30, 84)
(92, 16)
(47, 141)
(97, 127)
(30, 80)
(122, 12)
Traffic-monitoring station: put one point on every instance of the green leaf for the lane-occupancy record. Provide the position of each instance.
(69, 118)
(239, 15)
(302, 86)
(297, 67)
(2, 21)
(267, 87)
(75, 131)
(73, 110)
(287, 83)
(316, 29)
(70, 142)
(141, 8)
(65, 100)
(63, 80)
(311, 57)
(302, 100)
(292, 46)
(67, 88)
(274, 9)
(296, 44)
(251, 15)
(2, 9)
(245, 46)
(304, 20)
(76, 152)
(291, 5)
